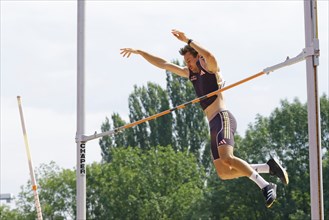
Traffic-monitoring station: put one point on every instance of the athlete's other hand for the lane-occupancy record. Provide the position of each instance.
(179, 35)
(126, 52)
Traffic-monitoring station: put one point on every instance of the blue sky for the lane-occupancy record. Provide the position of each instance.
(38, 62)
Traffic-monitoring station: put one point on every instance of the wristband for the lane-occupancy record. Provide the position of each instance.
(189, 41)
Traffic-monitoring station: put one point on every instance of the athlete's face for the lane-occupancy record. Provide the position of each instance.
(191, 62)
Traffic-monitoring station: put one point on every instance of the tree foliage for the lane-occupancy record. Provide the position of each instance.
(185, 130)
(137, 184)
(56, 193)
(166, 183)
(9, 214)
(144, 102)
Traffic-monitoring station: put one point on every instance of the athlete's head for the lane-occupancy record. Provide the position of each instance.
(191, 56)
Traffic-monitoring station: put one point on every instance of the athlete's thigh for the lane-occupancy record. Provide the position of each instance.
(225, 151)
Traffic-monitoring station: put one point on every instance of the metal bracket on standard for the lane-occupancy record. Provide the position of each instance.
(80, 138)
(90, 137)
(316, 48)
(308, 51)
(86, 138)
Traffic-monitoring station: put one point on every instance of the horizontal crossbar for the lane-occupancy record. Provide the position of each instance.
(289, 61)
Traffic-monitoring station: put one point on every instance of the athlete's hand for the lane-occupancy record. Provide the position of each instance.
(179, 35)
(126, 52)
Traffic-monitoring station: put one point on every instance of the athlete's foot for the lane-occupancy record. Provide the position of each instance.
(277, 170)
(269, 193)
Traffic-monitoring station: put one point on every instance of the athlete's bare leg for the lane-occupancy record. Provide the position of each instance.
(229, 166)
(225, 172)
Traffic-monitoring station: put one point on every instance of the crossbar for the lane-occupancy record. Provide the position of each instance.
(116, 130)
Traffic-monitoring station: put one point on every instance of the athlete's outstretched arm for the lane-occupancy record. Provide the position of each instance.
(156, 61)
(210, 58)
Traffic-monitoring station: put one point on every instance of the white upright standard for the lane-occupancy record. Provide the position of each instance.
(313, 110)
(81, 145)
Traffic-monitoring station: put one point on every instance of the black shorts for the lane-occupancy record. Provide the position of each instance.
(222, 129)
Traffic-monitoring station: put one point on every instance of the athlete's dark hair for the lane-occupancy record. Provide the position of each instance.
(186, 49)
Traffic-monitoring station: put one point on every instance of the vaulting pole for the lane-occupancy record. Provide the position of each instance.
(81, 145)
(29, 158)
(313, 110)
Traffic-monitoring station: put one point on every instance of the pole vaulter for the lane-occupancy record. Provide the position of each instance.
(33, 181)
(289, 61)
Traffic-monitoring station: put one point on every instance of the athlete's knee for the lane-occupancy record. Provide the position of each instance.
(226, 154)
(223, 172)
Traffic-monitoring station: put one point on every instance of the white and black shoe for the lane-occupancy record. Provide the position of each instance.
(269, 193)
(277, 170)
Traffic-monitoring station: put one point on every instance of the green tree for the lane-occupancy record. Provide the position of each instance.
(186, 129)
(7, 214)
(163, 183)
(106, 143)
(153, 184)
(324, 114)
(56, 193)
(324, 106)
(325, 172)
(136, 113)
(153, 99)
(143, 102)
(137, 184)
(122, 139)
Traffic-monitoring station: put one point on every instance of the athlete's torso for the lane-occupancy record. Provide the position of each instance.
(204, 83)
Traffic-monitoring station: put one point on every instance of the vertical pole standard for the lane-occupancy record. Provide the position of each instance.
(313, 109)
(81, 145)
(29, 158)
